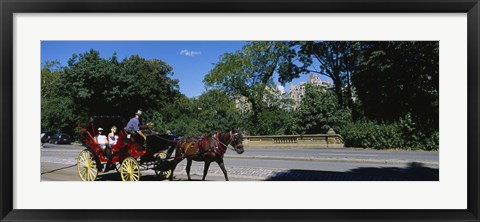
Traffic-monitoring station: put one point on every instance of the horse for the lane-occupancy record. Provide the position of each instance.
(207, 149)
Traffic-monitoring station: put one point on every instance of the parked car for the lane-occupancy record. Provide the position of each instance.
(45, 137)
(61, 138)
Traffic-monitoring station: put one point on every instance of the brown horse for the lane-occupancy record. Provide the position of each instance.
(207, 149)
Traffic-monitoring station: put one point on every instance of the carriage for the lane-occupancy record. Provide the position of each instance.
(127, 157)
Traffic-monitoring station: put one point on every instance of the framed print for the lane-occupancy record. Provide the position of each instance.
(140, 90)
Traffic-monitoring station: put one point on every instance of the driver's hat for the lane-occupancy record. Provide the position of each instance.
(139, 112)
(100, 129)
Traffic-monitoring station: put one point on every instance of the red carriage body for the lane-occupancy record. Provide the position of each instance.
(127, 157)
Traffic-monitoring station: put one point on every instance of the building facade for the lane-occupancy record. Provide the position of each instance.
(291, 98)
(297, 92)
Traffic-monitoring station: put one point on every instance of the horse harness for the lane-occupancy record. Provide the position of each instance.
(217, 147)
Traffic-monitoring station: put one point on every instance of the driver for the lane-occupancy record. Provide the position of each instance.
(133, 128)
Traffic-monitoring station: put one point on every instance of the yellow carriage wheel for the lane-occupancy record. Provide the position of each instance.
(163, 174)
(166, 174)
(129, 170)
(86, 166)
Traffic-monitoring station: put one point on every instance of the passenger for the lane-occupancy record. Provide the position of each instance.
(101, 140)
(112, 140)
(133, 128)
(112, 137)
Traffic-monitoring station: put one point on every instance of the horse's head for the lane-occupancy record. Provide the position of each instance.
(237, 141)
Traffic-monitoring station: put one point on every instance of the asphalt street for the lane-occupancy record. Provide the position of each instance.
(280, 164)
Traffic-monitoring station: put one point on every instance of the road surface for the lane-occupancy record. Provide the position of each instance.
(58, 163)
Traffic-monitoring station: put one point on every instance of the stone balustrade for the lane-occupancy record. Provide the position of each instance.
(329, 140)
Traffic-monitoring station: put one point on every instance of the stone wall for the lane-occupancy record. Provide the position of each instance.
(329, 140)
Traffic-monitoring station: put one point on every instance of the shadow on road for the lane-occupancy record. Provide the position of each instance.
(114, 176)
(415, 172)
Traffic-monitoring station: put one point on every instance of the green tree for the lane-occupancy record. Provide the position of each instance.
(211, 112)
(145, 84)
(319, 111)
(249, 72)
(178, 117)
(217, 111)
(50, 74)
(274, 121)
(105, 86)
(397, 78)
(56, 108)
(57, 114)
(91, 85)
(333, 59)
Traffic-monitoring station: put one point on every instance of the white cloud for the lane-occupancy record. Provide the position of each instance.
(189, 53)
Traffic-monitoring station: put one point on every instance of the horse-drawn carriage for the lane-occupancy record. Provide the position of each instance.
(126, 156)
(129, 158)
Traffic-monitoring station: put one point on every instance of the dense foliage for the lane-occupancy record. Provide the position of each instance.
(384, 94)
(91, 85)
(397, 78)
(401, 134)
(320, 111)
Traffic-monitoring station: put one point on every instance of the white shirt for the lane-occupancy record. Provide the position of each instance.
(102, 140)
(112, 140)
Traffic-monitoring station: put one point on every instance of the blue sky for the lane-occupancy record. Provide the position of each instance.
(191, 60)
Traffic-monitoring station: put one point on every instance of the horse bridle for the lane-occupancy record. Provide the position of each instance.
(232, 135)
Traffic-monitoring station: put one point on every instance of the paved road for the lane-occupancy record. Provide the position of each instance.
(58, 163)
(347, 153)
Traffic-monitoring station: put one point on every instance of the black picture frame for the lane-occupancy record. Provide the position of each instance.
(9, 7)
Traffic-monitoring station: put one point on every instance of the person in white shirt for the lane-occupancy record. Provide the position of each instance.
(112, 138)
(101, 140)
